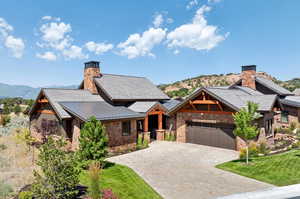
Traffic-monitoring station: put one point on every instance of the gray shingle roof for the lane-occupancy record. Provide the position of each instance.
(297, 91)
(234, 98)
(273, 86)
(101, 110)
(291, 101)
(59, 95)
(239, 99)
(142, 107)
(169, 104)
(119, 87)
(248, 90)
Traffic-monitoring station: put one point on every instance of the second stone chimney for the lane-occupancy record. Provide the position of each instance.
(248, 76)
(91, 70)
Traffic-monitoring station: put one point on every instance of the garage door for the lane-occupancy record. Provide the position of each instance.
(211, 134)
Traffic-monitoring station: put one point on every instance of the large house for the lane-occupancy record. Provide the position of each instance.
(129, 105)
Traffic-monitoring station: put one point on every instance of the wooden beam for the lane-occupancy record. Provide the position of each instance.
(191, 103)
(155, 113)
(46, 112)
(160, 124)
(43, 101)
(220, 106)
(204, 102)
(207, 112)
(146, 124)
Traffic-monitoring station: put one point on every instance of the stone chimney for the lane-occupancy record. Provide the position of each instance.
(248, 76)
(91, 70)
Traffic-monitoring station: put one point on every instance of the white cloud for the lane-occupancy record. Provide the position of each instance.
(170, 20)
(98, 48)
(54, 32)
(74, 52)
(142, 45)
(214, 1)
(55, 36)
(50, 18)
(176, 52)
(50, 56)
(197, 35)
(158, 20)
(5, 28)
(191, 4)
(16, 45)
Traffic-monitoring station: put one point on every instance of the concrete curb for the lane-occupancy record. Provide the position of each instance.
(292, 192)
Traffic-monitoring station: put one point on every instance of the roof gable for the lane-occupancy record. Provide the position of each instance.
(233, 98)
(130, 88)
(55, 96)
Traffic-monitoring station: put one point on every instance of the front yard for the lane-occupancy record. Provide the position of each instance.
(124, 182)
(281, 169)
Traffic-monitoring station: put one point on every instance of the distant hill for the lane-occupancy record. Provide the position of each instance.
(184, 87)
(25, 92)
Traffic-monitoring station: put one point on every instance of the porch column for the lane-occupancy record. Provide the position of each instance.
(146, 130)
(146, 124)
(160, 124)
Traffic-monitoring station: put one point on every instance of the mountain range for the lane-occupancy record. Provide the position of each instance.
(175, 89)
(26, 92)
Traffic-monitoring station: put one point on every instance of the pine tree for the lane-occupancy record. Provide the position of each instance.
(93, 141)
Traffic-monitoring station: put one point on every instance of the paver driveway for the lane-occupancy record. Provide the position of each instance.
(186, 171)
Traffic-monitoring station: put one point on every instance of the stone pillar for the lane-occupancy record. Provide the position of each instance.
(160, 134)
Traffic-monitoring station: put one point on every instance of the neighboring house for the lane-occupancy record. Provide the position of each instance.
(128, 105)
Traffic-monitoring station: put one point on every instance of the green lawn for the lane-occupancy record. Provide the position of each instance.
(281, 169)
(124, 182)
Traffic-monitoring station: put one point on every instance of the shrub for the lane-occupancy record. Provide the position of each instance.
(139, 143)
(145, 143)
(94, 191)
(263, 148)
(15, 123)
(5, 190)
(172, 137)
(93, 142)
(253, 151)
(167, 136)
(3, 147)
(293, 126)
(26, 195)
(17, 109)
(5, 119)
(296, 145)
(59, 174)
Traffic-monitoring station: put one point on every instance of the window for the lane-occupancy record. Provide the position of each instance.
(126, 128)
(285, 117)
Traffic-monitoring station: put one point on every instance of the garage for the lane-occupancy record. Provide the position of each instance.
(211, 134)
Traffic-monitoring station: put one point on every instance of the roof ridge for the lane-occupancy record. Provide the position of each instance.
(124, 75)
(64, 89)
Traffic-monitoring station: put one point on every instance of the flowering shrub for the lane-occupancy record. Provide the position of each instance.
(108, 194)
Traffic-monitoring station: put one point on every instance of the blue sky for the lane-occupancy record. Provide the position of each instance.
(45, 43)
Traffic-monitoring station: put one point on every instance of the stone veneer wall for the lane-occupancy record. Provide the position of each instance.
(42, 125)
(117, 142)
(182, 117)
(294, 116)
